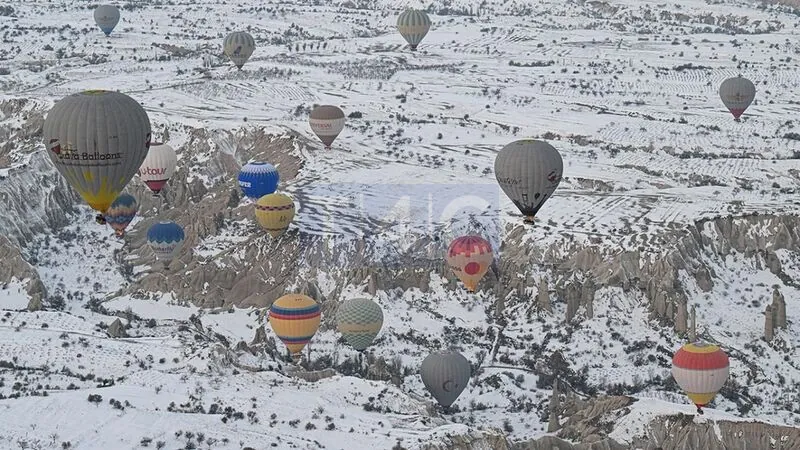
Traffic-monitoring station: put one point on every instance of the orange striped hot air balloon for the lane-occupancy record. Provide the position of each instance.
(470, 258)
(295, 319)
(700, 369)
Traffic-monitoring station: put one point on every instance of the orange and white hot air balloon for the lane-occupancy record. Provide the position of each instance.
(470, 258)
(700, 369)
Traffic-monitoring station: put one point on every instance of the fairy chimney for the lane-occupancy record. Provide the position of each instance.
(543, 297)
(769, 323)
(778, 309)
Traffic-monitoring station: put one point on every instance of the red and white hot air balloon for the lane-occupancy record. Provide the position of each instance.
(700, 369)
(470, 258)
(158, 167)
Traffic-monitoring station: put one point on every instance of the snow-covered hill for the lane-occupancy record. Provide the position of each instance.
(666, 204)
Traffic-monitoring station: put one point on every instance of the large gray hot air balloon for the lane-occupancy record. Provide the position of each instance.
(239, 46)
(327, 121)
(97, 140)
(413, 25)
(445, 375)
(106, 17)
(528, 171)
(737, 94)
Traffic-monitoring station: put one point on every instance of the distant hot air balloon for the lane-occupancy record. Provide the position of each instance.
(97, 140)
(737, 94)
(445, 375)
(274, 212)
(121, 213)
(327, 121)
(239, 46)
(295, 320)
(470, 257)
(700, 369)
(106, 17)
(166, 240)
(528, 171)
(413, 25)
(359, 320)
(158, 167)
(258, 179)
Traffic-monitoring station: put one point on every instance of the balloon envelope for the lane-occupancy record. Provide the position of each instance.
(327, 121)
(359, 320)
(470, 258)
(700, 369)
(737, 94)
(239, 46)
(445, 375)
(158, 167)
(295, 319)
(121, 213)
(275, 212)
(413, 25)
(97, 140)
(106, 17)
(166, 240)
(257, 179)
(528, 171)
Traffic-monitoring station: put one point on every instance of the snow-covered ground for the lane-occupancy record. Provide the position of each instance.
(625, 90)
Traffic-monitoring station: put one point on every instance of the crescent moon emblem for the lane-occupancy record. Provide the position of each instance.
(444, 385)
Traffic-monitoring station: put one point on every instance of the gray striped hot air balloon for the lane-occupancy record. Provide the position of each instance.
(359, 320)
(413, 25)
(106, 17)
(239, 46)
(97, 140)
(737, 94)
(528, 171)
(445, 375)
(327, 121)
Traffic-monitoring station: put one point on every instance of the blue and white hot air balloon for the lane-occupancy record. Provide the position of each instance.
(166, 240)
(258, 179)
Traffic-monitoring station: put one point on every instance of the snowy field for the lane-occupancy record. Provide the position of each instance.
(625, 90)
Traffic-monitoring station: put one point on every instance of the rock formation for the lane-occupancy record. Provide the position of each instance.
(774, 315)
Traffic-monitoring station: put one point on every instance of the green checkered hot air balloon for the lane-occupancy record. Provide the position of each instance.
(413, 25)
(359, 320)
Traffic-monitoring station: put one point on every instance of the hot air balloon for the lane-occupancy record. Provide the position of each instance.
(528, 171)
(158, 167)
(737, 94)
(274, 212)
(295, 319)
(470, 257)
(106, 17)
(121, 213)
(413, 25)
(166, 240)
(97, 140)
(258, 179)
(359, 320)
(239, 46)
(327, 121)
(445, 375)
(700, 369)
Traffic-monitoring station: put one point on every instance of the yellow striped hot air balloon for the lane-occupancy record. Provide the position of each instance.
(700, 369)
(295, 319)
(274, 212)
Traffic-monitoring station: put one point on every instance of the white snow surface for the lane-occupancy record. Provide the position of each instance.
(646, 142)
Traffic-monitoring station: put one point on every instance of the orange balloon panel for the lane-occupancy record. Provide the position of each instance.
(470, 258)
